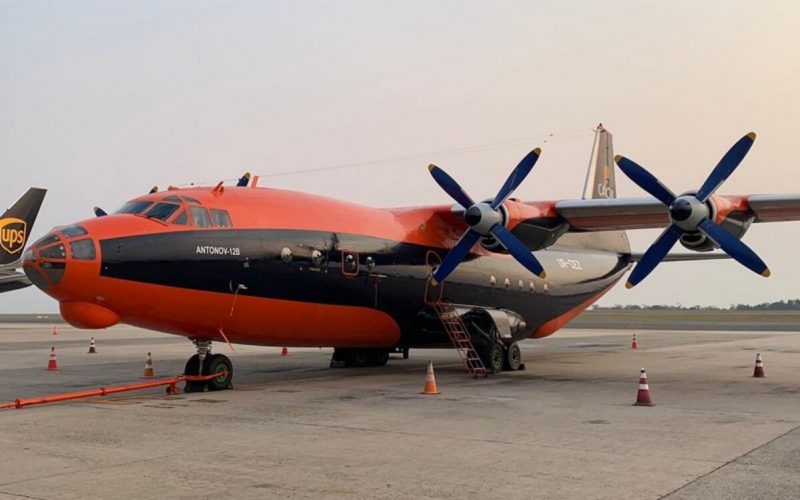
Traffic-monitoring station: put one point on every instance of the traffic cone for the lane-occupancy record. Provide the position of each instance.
(92, 349)
(634, 344)
(285, 351)
(148, 367)
(643, 396)
(52, 365)
(55, 330)
(759, 371)
(430, 381)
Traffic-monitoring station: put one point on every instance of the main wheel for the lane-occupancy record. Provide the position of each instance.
(492, 357)
(513, 357)
(219, 363)
(380, 358)
(193, 368)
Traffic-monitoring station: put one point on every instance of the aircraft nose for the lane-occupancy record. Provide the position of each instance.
(47, 261)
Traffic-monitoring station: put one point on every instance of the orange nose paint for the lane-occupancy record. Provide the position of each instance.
(87, 315)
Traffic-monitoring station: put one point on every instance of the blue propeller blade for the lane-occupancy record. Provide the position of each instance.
(518, 250)
(645, 180)
(99, 212)
(516, 177)
(654, 255)
(726, 166)
(450, 186)
(456, 255)
(734, 247)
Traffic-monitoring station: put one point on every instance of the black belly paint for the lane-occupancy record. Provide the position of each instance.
(390, 276)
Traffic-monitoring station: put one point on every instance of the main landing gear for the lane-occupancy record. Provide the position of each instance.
(359, 357)
(497, 357)
(211, 363)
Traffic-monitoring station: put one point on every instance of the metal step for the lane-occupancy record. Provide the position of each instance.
(459, 336)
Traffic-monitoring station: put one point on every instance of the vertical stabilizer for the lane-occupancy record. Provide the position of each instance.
(16, 225)
(600, 182)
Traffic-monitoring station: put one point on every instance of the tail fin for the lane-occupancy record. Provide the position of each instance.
(17, 223)
(600, 182)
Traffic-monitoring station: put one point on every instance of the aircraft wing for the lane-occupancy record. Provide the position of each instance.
(11, 279)
(601, 214)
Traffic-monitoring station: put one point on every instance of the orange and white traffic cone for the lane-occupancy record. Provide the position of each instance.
(55, 330)
(148, 367)
(759, 371)
(52, 365)
(643, 396)
(634, 343)
(92, 349)
(285, 351)
(430, 381)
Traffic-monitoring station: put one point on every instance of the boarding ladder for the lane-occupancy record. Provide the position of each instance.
(459, 336)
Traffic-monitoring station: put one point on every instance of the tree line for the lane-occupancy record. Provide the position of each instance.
(781, 305)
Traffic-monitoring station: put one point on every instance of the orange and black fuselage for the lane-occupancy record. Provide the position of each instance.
(272, 267)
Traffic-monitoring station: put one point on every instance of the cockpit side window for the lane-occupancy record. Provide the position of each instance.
(221, 218)
(161, 211)
(172, 197)
(134, 207)
(181, 219)
(200, 216)
(189, 199)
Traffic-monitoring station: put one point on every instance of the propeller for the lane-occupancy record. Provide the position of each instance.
(691, 213)
(99, 212)
(485, 219)
(243, 180)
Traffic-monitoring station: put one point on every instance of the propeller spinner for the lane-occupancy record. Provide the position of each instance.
(690, 213)
(485, 219)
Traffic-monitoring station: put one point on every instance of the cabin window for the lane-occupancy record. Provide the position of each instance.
(82, 249)
(221, 218)
(162, 211)
(182, 219)
(134, 207)
(200, 217)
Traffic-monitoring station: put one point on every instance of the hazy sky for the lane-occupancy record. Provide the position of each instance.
(101, 100)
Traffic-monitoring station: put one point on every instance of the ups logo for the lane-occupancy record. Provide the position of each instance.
(12, 234)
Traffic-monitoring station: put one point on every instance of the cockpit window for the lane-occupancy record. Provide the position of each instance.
(134, 207)
(181, 219)
(189, 199)
(200, 216)
(172, 197)
(82, 249)
(161, 211)
(72, 231)
(221, 218)
(46, 240)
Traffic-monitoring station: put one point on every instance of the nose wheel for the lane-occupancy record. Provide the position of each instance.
(211, 364)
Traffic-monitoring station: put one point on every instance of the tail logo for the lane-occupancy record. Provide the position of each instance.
(604, 188)
(12, 234)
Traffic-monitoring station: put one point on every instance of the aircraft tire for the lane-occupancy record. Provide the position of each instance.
(193, 368)
(512, 359)
(217, 363)
(493, 357)
(380, 358)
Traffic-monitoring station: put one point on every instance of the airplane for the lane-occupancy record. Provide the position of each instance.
(251, 265)
(16, 225)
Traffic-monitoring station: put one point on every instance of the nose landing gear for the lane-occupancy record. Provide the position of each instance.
(211, 364)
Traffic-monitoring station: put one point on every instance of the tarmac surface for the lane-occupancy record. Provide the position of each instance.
(292, 427)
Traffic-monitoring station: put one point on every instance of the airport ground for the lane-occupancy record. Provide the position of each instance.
(292, 427)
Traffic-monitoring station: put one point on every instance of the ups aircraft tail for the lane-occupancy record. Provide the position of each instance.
(17, 223)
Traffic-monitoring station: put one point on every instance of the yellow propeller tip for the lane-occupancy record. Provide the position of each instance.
(433, 281)
(538, 151)
(246, 175)
(752, 136)
(543, 275)
(617, 158)
(431, 167)
(767, 273)
(628, 285)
